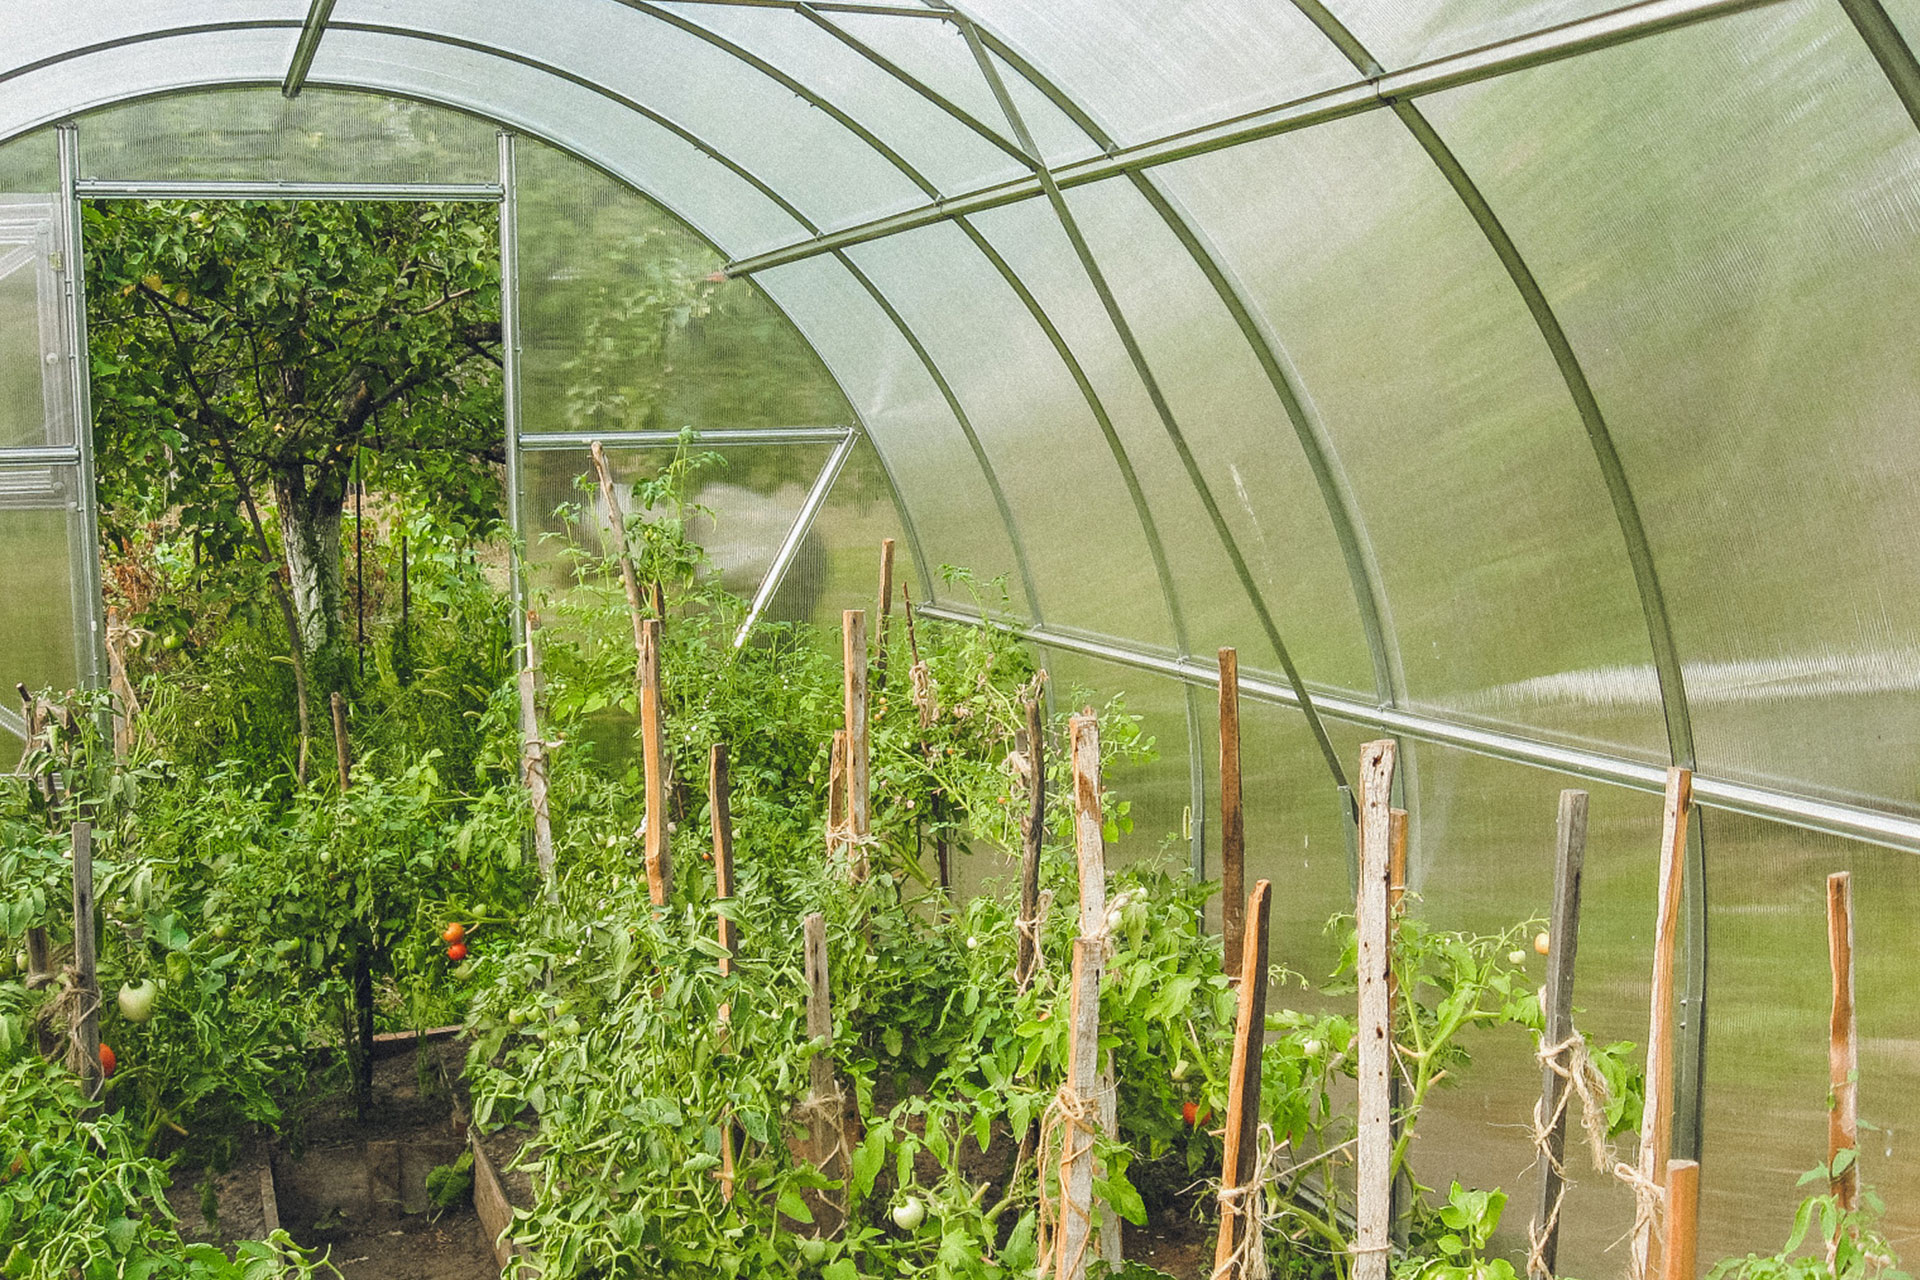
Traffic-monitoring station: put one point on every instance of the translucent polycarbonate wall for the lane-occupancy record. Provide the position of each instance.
(1536, 375)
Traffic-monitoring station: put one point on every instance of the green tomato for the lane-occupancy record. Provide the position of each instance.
(7, 964)
(909, 1214)
(172, 640)
(222, 931)
(179, 965)
(813, 1249)
(516, 1017)
(463, 970)
(136, 1001)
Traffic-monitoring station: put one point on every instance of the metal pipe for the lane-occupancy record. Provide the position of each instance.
(88, 597)
(790, 545)
(546, 442)
(1569, 40)
(465, 192)
(1852, 822)
(45, 456)
(308, 45)
(510, 380)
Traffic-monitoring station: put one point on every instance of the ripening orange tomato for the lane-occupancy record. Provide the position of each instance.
(456, 932)
(457, 952)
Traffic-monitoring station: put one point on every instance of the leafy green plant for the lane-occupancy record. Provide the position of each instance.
(1841, 1243)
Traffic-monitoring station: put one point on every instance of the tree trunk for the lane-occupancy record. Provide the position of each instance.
(311, 503)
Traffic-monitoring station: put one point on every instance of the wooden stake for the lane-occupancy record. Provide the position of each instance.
(126, 704)
(1237, 1166)
(39, 958)
(533, 768)
(1843, 1049)
(1563, 943)
(827, 1128)
(1656, 1125)
(854, 650)
(720, 804)
(1682, 1261)
(659, 855)
(1034, 830)
(1233, 823)
(1089, 823)
(627, 576)
(86, 978)
(885, 615)
(1396, 1081)
(837, 795)
(1373, 1179)
(342, 752)
(1073, 1238)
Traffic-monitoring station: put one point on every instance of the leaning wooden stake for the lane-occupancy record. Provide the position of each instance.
(1237, 1248)
(885, 615)
(720, 803)
(1563, 946)
(659, 857)
(1233, 824)
(126, 703)
(854, 688)
(1396, 1081)
(1656, 1124)
(635, 608)
(1682, 1258)
(85, 1046)
(1373, 1217)
(837, 795)
(342, 751)
(1033, 832)
(1843, 1050)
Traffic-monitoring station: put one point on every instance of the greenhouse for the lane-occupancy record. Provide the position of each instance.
(961, 639)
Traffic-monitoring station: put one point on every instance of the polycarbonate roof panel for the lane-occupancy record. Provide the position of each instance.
(920, 442)
(1146, 67)
(116, 73)
(1245, 445)
(30, 165)
(36, 30)
(1504, 570)
(816, 163)
(1044, 444)
(937, 54)
(321, 136)
(1400, 33)
(720, 204)
(1748, 308)
(951, 155)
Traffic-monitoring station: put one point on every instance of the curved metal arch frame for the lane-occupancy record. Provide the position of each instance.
(908, 526)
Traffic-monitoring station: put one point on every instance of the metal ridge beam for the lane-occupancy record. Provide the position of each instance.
(1810, 813)
(1488, 62)
(308, 45)
(467, 192)
(537, 442)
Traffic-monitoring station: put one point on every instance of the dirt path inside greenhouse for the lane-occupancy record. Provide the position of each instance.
(358, 1190)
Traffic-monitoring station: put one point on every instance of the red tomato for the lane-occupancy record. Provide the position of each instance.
(107, 1060)
(456, 932)
(1190, 1112)
(457, 952)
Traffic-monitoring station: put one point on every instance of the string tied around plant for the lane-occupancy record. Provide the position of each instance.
(1252, 1203)
(1072, 1121)
(1573, 1063)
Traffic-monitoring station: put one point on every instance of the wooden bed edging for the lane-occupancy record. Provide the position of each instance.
(494, 1209)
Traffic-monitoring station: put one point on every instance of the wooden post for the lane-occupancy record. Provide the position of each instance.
(1373, 1181)
(720, 804)
(1231, 1253)
(533, 768)
(829, 1150)
(619, 521)
(1233, 824)
(1682, 1260)
(342, 752)
(39, 958)
(1563, 946)
(86, 978)
(1843, 1050)
(854, 650)
(837, 795)
(126, 702)
(1396, 893)
(1656, 1124)
(1034, 830)
(885, 615)
(1073, 1237)
(658, 851)
(1089, 824)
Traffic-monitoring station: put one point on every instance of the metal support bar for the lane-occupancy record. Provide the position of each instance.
(834, 6)
(308, 45)
(46, 456)
(1572, 39)
(87, 592)
(1889, 50)
(465, 192)
(1851, 822)
(510, 378)
(802, 525)
(545, 442)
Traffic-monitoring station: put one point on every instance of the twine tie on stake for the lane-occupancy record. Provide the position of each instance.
(1079, 1116)
(1250, 1204)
